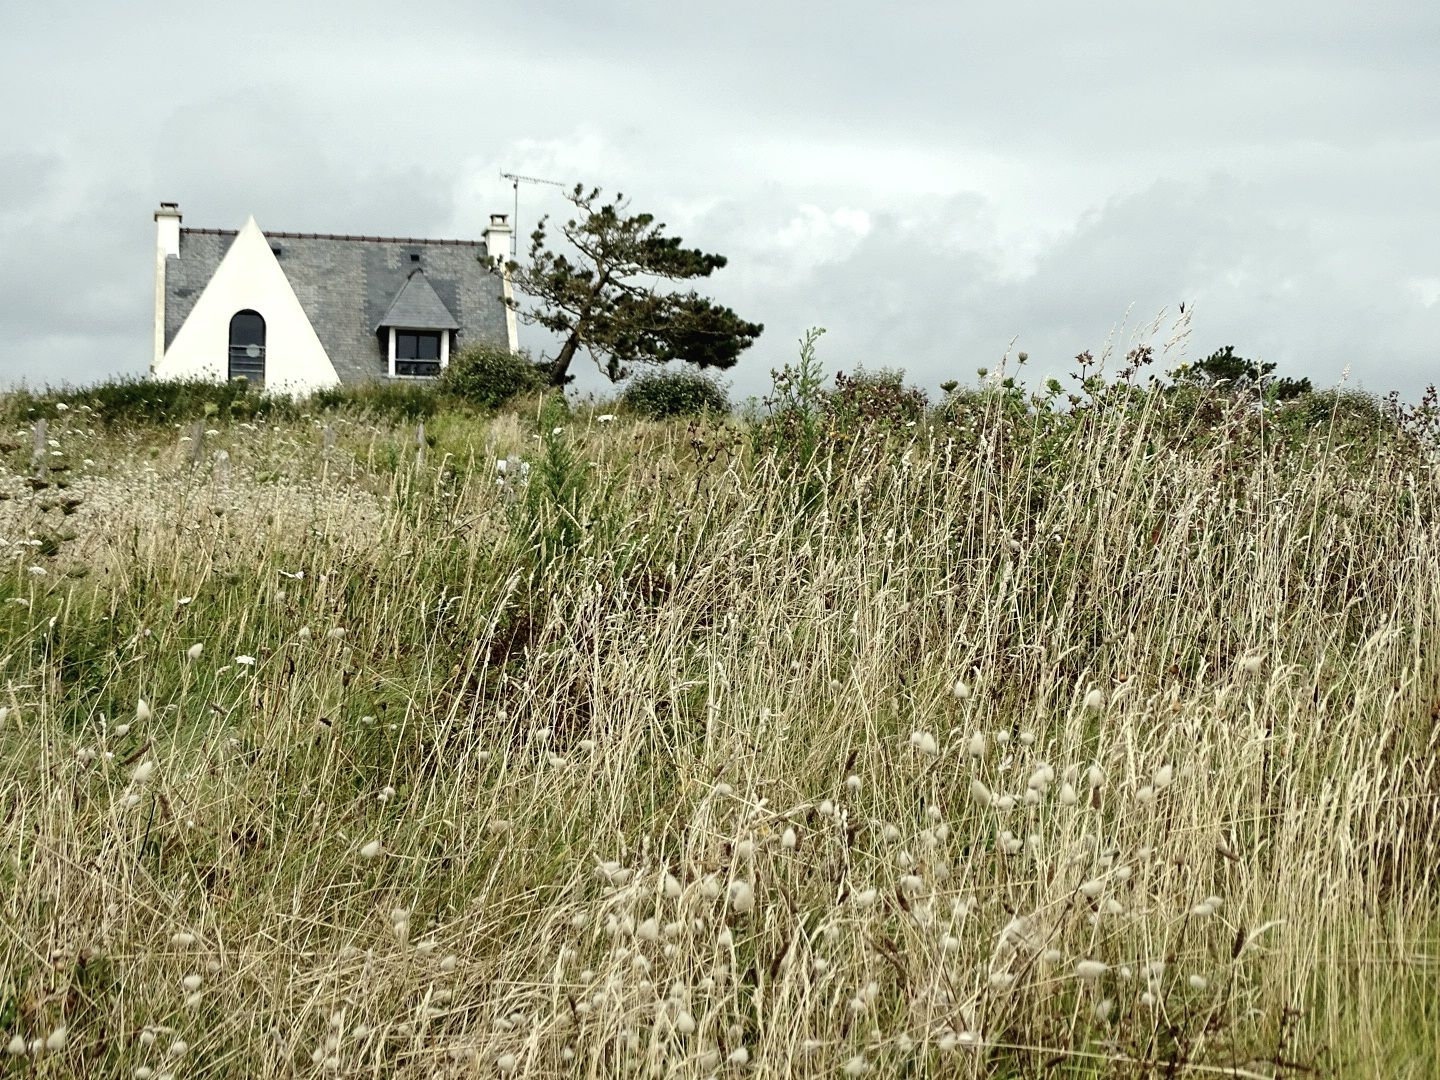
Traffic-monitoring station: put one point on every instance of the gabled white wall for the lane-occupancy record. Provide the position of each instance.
(249, 276)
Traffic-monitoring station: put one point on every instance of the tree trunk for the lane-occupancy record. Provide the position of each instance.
(560, 366)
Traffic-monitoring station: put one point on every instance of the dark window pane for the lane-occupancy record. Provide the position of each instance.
(247, 346)
(428, 347)
(405, 345)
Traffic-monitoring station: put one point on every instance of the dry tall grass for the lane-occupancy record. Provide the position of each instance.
(973, 754)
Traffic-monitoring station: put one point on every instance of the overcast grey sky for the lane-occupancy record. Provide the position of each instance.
(929, 181)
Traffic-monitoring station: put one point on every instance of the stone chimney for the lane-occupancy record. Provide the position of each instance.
(497, 247)
(167, 244)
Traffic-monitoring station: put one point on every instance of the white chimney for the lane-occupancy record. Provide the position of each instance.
(497, 247)
(167, 243)
(167, 228)
(497, 238)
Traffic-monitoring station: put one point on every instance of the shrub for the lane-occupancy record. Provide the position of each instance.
(488, 376)
(392, 401)
(132, 400)
(662, 394)
(873, 399)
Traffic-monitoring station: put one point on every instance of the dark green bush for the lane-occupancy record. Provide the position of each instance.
(132, 400)
(387, 400)
(659, 395)
(488, 376)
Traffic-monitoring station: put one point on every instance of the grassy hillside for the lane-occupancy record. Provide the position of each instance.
(1010, 743)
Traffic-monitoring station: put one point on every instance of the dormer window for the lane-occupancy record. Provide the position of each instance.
(419, 352)
(417, 329)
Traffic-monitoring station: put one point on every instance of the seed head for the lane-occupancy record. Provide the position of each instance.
(372, 850)
(194, 651)
(852, 784)
(193, 982)
(856, 1066)
(57, 1039)
(980, 793)
(742, 896)
(1067, 795)
(976, 746)
(1164, 777)
(960, 690)
(143, 772)
(1095, 700)
(788, 839)
(142, 711)
(925, 743)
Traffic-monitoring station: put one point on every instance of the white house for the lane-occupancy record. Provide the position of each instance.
(297, 312)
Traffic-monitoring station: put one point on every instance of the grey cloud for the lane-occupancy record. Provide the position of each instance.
(929, 184)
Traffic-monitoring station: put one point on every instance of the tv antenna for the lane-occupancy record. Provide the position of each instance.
(516, 180)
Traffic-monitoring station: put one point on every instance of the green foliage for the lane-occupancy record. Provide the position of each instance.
(873, 400)
(549, 517)
(382, 400)
(132, 401)
(609, 299)
(1344, 417)
(659, 395)
(796, 401)
(488, 376)
(1224, 368)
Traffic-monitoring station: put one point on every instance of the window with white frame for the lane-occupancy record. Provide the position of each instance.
(418, 353)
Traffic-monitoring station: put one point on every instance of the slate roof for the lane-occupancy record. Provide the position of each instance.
(416, 306)
(348, 284)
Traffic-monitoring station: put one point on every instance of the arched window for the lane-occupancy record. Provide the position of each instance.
(247, 347)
